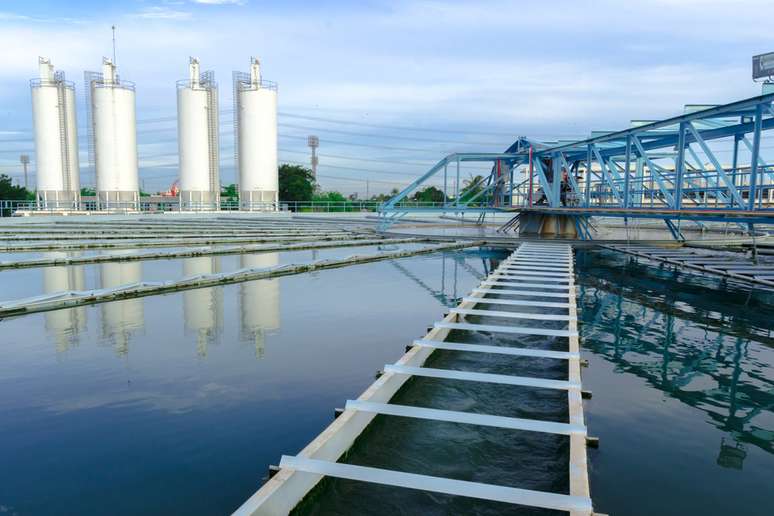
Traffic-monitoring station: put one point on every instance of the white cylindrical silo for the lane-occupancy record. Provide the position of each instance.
(56, 139)
(197, 136)
(256, 138)
(115, 139)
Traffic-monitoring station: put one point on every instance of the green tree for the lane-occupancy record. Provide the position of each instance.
(8, 191)
(471, 187)
(385, 197)
(296, 183)
(330, 197)
(428, 194)
(88, 191)
(229, 192)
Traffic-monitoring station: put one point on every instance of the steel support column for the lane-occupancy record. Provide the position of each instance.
(756, 148)
(627, 193)
(680, 166)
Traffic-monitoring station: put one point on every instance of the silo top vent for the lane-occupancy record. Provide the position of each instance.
(255, 72)
(193, 72)
(46, 69)
(108, 71)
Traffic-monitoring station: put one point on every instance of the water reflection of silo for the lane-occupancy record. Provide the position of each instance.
(202, 307)
(65, 324)
(121, 318)
(259, 301)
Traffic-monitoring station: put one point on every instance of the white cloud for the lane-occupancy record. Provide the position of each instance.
(163, 13)
(8, 17)
(220, 2)
(5, 16)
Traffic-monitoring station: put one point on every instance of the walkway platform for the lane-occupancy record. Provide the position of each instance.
(506, 286)
(762, 216)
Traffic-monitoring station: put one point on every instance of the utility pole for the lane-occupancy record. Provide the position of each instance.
(25, 160)
(113, 27)
(313, 142)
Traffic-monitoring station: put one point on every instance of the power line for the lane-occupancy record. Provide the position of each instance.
(424, 163)
(385, 136)
(351, 122)
(349, 133)
(395, 127)
(356, 169)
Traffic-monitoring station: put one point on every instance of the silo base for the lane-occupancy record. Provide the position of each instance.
(198, 200)
(119, 200)
(258, 200)
(59, 200)
(544, 224)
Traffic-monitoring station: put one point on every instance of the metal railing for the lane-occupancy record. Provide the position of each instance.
(9, 207)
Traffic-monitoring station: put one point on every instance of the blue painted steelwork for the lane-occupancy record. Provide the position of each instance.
(666, 169)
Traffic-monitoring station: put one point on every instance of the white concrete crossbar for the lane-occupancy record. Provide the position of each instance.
(532, 271)
(527, 293)
(503, 379)
(471, 418)
(514, 302)
(522, 284)
(492, 328)
(510, 315)
(523, 277)
(478, 490)
(533, 264)
(500, 350)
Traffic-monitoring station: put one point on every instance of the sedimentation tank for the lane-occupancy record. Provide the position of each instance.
(255, 120)
(197, 118)
(56, 139)
(113, 131)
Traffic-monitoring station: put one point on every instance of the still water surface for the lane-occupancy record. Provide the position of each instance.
(682, 371)
(178, 403)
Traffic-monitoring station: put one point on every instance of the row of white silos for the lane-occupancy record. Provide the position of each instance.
(113, 139)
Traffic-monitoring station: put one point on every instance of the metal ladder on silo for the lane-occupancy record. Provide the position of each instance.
(212, 130)
(64, 141)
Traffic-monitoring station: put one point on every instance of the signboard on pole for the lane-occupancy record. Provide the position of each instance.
(763, 66)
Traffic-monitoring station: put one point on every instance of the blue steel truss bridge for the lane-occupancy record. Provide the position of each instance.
(705, 165)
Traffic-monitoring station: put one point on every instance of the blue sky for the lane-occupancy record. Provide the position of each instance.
(391, 87)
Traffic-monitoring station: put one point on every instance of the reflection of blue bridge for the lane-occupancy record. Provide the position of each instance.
(636, 318)
(667, 169)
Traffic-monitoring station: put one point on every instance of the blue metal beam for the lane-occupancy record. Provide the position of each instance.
(655, 172)
(545, 185)
(719, 170)
(605, 172)
(718, 111)
(755, 155)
